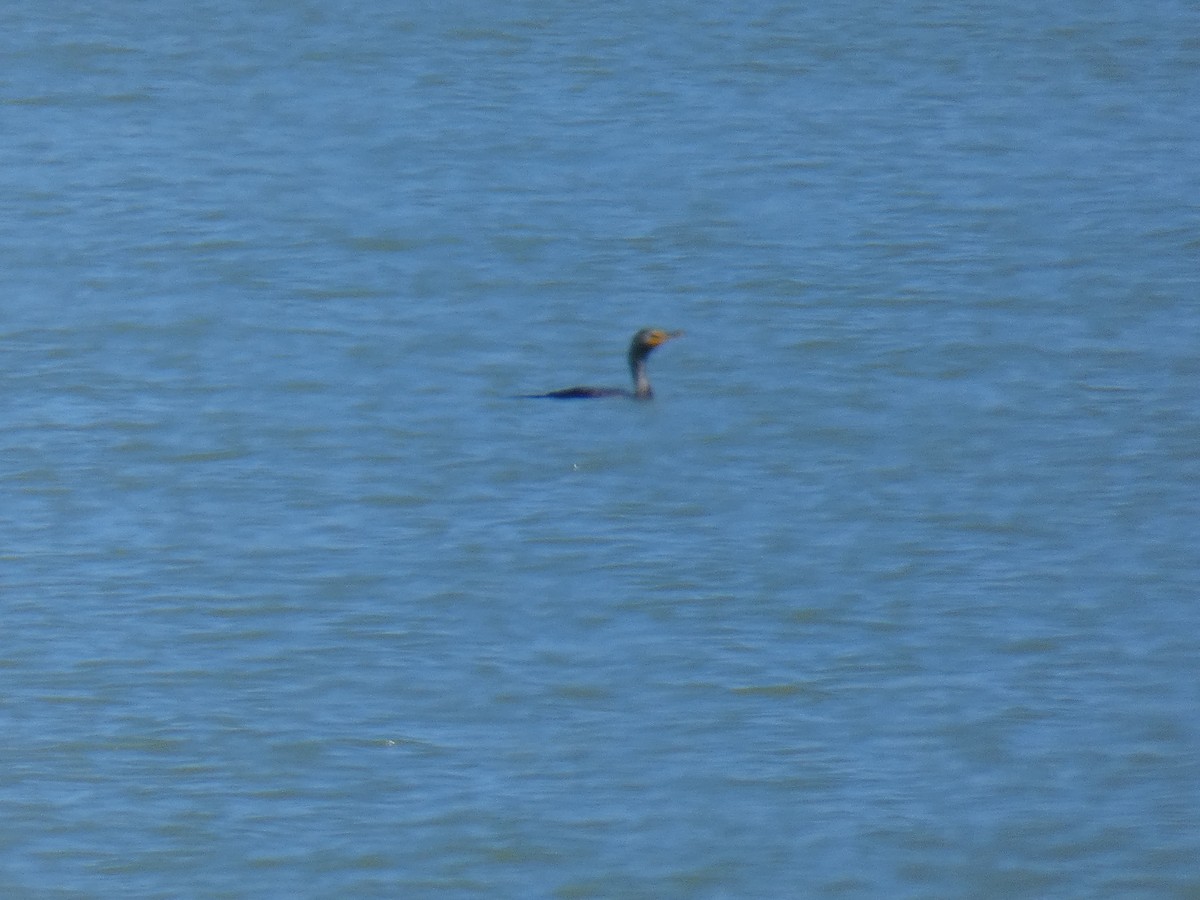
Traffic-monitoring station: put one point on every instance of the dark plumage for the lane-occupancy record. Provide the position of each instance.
(640, 347)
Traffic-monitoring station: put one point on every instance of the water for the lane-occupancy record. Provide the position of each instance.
(891, 592)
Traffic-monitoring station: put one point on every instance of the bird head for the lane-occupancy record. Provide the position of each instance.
(649, 338)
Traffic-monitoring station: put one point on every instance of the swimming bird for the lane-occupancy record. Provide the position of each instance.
(640, 347)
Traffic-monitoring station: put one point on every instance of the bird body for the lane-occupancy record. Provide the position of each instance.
(584, 393)
(639, 348)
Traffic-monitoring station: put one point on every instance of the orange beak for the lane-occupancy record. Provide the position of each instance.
(661, 337)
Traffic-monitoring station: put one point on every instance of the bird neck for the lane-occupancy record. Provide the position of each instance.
(641, 383)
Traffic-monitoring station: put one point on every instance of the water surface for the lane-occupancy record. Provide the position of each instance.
(890, 592)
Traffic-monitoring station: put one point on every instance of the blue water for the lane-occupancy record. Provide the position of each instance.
(893, 591)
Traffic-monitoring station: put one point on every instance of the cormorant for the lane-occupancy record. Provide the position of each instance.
(639, 348)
